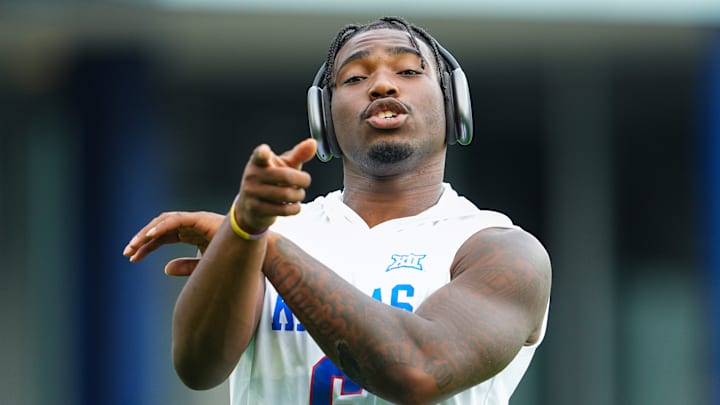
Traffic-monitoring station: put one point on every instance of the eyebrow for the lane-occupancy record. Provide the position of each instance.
(355, 56)
(395, 50)
(401, 50)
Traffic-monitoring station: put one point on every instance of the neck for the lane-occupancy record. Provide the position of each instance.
(377, 200)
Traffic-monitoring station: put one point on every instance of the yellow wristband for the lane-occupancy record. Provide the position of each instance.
(241, 232)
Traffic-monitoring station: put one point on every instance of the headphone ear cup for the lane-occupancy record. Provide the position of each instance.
(458, 109)
(449, 94)
(329, 128)
(462, 108)
(316, 120)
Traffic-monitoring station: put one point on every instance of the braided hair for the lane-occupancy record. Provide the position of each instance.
(398, 23)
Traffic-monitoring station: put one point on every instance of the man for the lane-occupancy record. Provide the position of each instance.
(394, 289)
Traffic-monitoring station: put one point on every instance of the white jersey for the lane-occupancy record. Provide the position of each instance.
(399, 262)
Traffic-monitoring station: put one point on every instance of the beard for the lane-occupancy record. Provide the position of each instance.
(388, 152)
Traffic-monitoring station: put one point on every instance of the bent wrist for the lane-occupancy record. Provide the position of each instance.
(241, 231)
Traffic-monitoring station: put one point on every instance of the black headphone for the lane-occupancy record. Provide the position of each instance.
(458, 111)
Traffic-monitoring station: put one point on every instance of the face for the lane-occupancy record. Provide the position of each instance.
(387, 106)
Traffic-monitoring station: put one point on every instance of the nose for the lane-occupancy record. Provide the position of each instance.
(383, 86)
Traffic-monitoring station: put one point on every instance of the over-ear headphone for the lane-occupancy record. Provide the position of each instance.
(458, 111)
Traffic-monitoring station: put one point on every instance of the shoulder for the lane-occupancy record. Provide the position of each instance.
(507, 246)
(454, 205)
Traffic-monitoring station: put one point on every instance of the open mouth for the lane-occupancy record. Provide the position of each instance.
(386, 113)
(386, 120)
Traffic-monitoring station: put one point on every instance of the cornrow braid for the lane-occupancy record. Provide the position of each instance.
(348, 31)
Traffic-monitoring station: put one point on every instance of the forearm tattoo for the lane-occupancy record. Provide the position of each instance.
(369, 340)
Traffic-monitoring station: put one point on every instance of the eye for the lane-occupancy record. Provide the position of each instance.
(353, 79)
(410, 72)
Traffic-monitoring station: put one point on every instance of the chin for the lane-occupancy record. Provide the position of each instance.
(387, 152)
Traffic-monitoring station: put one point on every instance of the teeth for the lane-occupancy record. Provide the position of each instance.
(385, 114)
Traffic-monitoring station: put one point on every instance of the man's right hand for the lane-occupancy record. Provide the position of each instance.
(272, 185)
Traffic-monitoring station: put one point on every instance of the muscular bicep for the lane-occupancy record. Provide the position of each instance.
(494, 304)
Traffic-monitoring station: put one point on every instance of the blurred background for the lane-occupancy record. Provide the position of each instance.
(597, 129)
